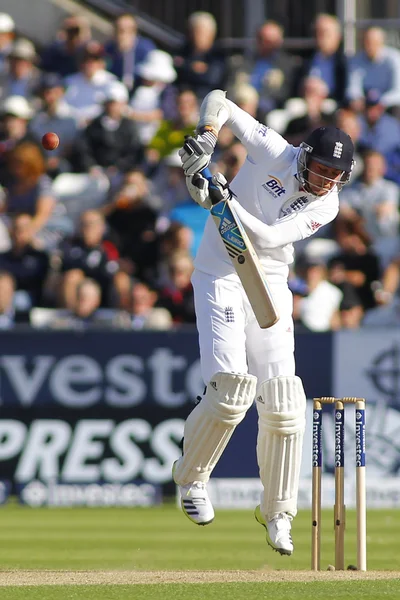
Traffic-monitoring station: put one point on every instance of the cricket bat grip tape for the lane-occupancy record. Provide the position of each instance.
(216, 193)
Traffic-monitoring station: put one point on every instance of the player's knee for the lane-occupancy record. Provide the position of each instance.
(281, 404)
(229, 396)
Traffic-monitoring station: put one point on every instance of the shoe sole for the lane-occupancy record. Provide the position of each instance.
(280, 551)
(195, 522)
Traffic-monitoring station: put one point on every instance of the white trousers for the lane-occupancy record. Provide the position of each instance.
(230, 338)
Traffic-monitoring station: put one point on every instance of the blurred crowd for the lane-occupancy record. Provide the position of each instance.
(100, 232)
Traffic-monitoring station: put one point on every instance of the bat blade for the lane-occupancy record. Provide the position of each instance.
(246, 263)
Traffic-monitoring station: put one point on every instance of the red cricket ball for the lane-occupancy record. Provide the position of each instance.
(50, 141)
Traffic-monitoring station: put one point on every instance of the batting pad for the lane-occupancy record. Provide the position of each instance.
(281, 405)
(211, 424)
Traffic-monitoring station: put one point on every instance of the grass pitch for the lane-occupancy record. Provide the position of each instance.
(157, 553)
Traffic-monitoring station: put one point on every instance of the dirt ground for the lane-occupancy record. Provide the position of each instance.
(21, 578)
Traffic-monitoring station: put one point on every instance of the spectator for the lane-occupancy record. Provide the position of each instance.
(171, 133)
(376, 202)
(387, 295)
(384, 316)
(385, 292)
(379, 130)
(247, 98)
(88, 255)
(357, 259)
(7, 34)
(270, 71)
(318, 309)
(143, 312)
(127, 50)
(111, 141)
(232, 160)
(328, 62)
(189, 215)
(155, 98)
(63, 55)
(351, 311)
(23, 76)
(132, 221)
(15, 117)
(26, 264)
(55, 116)
(199, 65)
(314, 92)
(170, 181)
(28, 188)
(177, 295)
(86, 312)
(392, 172)
(7, 291)
(349, 121)
(87, 90)
(176, 239)
(377, 66)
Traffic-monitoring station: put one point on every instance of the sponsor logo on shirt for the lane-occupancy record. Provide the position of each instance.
(274, 186)
(314, 226)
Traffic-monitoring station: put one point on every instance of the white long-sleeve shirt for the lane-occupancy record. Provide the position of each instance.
(268, 202)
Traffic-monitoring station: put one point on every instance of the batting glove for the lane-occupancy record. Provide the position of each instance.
(197, 152)
(206, 194)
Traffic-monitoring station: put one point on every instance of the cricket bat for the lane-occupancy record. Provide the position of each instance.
(245, 261)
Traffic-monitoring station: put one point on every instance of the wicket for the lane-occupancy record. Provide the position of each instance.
(339, 508)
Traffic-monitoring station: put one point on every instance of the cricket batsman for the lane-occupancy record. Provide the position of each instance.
(282, 194)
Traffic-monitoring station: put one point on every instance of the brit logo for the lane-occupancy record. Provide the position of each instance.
(229, 315)
(337, 151)
(274, 187)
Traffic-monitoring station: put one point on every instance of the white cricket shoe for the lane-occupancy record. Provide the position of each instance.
(196, 504)
(278, 531)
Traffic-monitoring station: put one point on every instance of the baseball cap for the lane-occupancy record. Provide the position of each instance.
(372, 97)
(7, 24)
(51, 80)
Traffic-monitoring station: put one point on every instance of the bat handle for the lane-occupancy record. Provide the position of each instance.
(215, 193)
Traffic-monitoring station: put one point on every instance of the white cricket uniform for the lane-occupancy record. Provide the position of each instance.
(229, 336)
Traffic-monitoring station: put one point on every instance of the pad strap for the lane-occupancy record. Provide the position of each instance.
(211, 424)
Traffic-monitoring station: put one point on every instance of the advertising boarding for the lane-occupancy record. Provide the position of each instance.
(97, 418)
